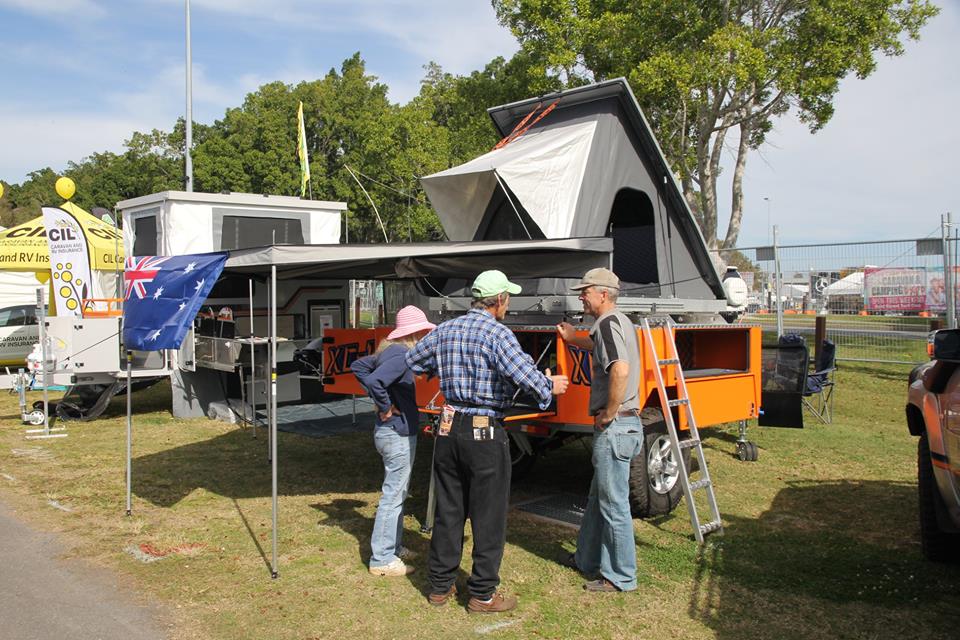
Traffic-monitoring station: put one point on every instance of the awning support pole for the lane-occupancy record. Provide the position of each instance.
(273, 406)
(129, 431)
(253, 369)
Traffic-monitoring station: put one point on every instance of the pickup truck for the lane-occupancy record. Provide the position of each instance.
(933, 414)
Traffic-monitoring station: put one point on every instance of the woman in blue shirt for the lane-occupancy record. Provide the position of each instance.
(390, 384)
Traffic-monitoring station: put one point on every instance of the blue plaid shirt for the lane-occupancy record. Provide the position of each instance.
(480, 365)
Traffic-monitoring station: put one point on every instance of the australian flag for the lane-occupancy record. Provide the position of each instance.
(163, 296)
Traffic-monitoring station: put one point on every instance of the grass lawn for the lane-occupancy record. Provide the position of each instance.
(821, 535)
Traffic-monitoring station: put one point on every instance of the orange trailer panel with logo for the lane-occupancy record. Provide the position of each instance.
(721, 364)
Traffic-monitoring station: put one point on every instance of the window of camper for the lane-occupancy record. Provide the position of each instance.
(633, 230)
(243, 228)
(145, 235)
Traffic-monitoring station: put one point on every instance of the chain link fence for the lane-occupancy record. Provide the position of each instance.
(880, 300)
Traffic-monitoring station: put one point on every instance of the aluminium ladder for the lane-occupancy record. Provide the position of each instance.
(672, 359)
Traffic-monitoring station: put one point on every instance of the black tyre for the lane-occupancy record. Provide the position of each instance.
(937, 545)
(655, 487)
(747, 451)
(520, 461)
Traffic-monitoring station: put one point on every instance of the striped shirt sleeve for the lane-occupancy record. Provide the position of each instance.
(422, 357)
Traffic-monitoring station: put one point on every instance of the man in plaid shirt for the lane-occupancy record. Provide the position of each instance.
(480, 365)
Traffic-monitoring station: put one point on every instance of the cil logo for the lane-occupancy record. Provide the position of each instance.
(64, 234)
(341, 356)
(580, 370)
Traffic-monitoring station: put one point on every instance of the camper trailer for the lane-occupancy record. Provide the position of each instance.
(589, 167)
(178, 223)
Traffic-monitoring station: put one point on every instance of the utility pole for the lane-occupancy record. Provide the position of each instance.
(188, 142)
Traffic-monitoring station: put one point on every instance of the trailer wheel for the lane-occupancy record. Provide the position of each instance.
(937, 545)
(747, 451)
(655, 487)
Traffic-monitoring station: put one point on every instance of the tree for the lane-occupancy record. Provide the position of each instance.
(702, 69)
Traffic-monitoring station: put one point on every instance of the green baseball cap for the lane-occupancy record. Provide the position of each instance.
(490, 283)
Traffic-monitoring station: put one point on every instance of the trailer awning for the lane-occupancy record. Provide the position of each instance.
(562, 258)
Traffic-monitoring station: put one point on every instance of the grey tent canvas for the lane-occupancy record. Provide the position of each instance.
(590, 167)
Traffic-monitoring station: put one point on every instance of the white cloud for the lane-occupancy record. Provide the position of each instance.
(57, 9)
(50, 139)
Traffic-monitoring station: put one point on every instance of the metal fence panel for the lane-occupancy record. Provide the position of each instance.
(880, 299)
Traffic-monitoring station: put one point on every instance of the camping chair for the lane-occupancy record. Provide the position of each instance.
(818, 392)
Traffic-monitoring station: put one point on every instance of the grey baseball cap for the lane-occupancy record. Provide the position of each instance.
(598, 277)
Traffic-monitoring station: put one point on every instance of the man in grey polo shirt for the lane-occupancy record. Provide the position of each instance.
(606, 544)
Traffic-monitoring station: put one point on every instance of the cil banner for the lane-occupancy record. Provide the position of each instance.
(71, 276)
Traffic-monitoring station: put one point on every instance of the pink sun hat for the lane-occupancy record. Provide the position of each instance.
(410, 320)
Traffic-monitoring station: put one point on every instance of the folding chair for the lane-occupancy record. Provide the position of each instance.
(818, 392)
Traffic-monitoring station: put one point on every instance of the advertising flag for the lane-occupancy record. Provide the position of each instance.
(163, 296)
(302, 152)
(73, 280)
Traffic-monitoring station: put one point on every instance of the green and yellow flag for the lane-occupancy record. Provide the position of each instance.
(302, 153)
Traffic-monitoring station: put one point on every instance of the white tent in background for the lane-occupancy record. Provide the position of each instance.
(849, 285)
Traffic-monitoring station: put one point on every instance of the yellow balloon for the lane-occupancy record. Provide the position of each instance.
(65, 188)
(1, 189)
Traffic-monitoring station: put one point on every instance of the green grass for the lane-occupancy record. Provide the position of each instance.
(821, 537)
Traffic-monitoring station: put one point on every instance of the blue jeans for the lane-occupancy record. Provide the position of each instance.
(397, 452)
(606, 543)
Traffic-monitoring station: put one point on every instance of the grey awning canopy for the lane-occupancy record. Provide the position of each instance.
(561, 258)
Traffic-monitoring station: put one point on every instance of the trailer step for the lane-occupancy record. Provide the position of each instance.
(689, 443)
(710, 527)
(668, 361)
(699, 484)
(678, 402)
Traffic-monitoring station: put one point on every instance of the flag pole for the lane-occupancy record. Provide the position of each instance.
(129, 431)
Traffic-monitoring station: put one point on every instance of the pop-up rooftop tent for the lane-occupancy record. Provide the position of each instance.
(589, 167)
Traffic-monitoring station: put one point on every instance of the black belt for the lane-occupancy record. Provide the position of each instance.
(629, 413)
(462, 415)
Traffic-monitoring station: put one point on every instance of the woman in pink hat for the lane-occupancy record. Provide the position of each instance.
(390, 385)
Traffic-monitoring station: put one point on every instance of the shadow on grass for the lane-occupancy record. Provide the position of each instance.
(234, 465)
(818, 541)
(880, 371)
(346, 514)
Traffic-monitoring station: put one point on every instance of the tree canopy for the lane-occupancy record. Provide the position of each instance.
(702, 69)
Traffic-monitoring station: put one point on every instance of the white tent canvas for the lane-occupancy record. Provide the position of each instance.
(543, 168)
(18, 288)
(849, 285)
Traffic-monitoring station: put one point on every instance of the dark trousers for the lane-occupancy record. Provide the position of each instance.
(472, 481)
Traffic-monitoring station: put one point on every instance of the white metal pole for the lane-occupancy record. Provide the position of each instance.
(253, 369)
(777, 278)
(129, 432)
(948, 279)
(188, 143)
(273, 413)
(42, 316)
(271, 345)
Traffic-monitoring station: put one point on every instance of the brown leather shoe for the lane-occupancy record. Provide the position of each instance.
(497, 604)
(440, 599)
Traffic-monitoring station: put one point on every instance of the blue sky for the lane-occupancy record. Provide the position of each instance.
(80, 75)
